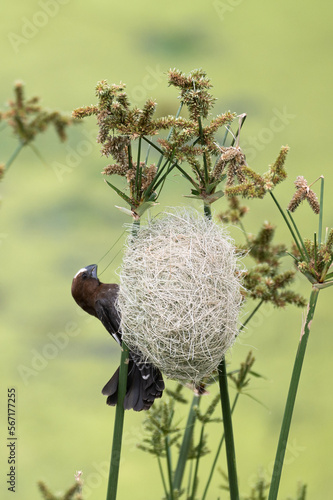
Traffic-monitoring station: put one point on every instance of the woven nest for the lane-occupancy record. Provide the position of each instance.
(179, 294)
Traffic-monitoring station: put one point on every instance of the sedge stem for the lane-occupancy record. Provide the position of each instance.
(14, 155)
(118, 426)
(228, 432)
(186, 444)
(120, 413)
(168, 457)
(195, 475)
(218, 453)
(162, 476)
(286, 422)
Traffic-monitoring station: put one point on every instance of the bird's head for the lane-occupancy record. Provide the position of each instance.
(84, 286)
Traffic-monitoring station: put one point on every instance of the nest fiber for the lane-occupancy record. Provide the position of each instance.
(179, 294)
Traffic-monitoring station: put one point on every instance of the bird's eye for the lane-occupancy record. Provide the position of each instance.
(84, 276)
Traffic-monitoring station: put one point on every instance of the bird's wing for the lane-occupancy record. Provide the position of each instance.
(108, 314)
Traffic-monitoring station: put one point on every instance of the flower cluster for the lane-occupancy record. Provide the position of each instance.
(314, 260)
(253, 185)
(303, 192)
(119, 125)
(27, 118)
(264, 281)
(194, 142)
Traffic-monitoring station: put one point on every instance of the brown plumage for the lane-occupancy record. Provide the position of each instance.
(144, 381)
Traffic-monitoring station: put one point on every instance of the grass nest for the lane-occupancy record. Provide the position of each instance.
(180, 294)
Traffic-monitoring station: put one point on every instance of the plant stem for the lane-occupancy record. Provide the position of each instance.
(321, 212)
(207, 211)
(14, 155)
(120, 411)
(168, 457)
(285, 427)
(218, 453)
(288, 224)
(250, 316)
(162, 476)
(186, 444)
(195, 475)
(118, 426)
(229, 437)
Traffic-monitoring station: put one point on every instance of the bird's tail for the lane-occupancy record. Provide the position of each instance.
(144, 385)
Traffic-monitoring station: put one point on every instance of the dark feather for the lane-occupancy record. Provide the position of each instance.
(144, 381)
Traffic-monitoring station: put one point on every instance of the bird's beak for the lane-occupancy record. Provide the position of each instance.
(92, 270)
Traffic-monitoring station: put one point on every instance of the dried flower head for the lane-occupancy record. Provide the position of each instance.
(303, 192)
(27, 118)
(180, 294)
(2, 170)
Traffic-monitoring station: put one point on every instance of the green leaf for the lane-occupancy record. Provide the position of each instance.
(320, 286)
(125, 210)
(144, 206)
(193, 196)
(209, 188)
(120, 193)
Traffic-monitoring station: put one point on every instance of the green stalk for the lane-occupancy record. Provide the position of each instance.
(120, 413)
(14, 155)
(288, 224)
(37, 153)
(118, 426)
(207, 211)
(282, 444)
(137, 183)
(321, 211)
(162, 476)
(186, 444)
(204, 155)
(229, 437)
(298, 234)
(217, 453)
(250, 316)
(195, 475)
(226, 413)
(168, 136)
(168, 457)
(153, 145)
(189, 481)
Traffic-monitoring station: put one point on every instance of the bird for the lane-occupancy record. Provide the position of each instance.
(144, 380)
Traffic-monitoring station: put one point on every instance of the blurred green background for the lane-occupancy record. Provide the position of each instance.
(271, 60)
